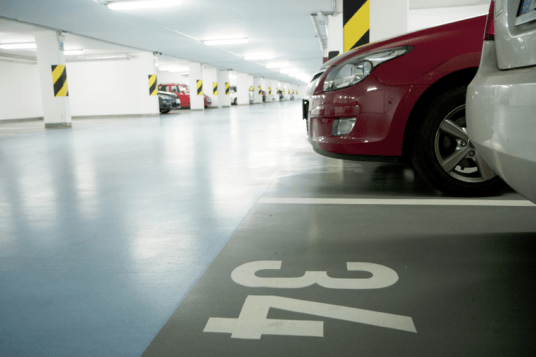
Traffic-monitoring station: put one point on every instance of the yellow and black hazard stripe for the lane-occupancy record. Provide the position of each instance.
(260, 90)
(356, 20)
(199, 87)
(269, 90)
(153, 89)
(215, 88)
(227, 89)
(251, 89)
(59, 78)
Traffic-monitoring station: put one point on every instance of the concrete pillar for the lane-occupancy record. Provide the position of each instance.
(147, 104)
(257, 90)
(335, 25)
(242, 89)
(197, 100)
(271, 92)
(392, 12)
(210, 78)
(224, 98)
(53, 83)
(287, 86)
(277, 86)
(365, 21)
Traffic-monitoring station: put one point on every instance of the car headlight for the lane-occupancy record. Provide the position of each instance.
(358, 68)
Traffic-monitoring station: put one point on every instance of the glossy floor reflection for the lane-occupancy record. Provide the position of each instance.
(105, 227)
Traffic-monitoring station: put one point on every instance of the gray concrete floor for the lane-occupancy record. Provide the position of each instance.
(124, 235)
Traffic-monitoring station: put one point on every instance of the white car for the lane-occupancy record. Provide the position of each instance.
(234, 96)
(501, 100)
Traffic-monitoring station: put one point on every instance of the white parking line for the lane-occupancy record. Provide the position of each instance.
(398, 202)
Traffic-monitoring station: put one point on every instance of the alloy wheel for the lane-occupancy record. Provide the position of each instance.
(455, 152)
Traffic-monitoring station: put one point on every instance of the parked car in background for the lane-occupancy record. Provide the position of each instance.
(168, 101)
(183, 93)
(403, 100)
(501, 99)
(234, 95)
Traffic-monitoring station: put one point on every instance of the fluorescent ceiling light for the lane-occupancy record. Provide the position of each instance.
(259, 57)
(277, 65)
(73, 52)
(107, 57)
(142, 4)
(230, 41)
(18, 46)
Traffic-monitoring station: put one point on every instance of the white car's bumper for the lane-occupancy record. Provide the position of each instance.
(501, 120)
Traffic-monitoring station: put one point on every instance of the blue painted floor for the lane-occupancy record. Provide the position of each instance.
(105, 227)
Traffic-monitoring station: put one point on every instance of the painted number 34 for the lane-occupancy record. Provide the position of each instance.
(252, 322)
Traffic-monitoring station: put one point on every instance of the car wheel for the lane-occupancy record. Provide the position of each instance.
(235, 102)
(442, 152)
(165, 111)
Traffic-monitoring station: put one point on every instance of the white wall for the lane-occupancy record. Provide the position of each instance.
(110, 88)
(169, 77)
(301, 91)
(20, 94)
(242, 86)
(424, 18)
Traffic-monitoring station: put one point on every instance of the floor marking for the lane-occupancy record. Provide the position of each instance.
(398, 202)
(382, 277)
(252, 322)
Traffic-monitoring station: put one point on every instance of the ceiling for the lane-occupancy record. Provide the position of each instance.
(281, 27)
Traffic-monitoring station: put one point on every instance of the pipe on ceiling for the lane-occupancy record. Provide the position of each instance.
(320, 24)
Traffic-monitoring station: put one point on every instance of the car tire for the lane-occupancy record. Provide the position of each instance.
(442, 153)
(165, 111)
(235, 102)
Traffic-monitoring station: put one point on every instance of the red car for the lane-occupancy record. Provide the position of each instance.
(403, 100)
(183, 92)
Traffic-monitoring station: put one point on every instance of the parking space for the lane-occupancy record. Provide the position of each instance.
(341, 258)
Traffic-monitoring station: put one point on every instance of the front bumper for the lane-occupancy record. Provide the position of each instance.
(500, 119)
(380, 120)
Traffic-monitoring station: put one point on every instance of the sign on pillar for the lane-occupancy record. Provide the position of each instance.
(227, 89)
(59, 78)
(356, 23)
(153, 88)
(215, 88)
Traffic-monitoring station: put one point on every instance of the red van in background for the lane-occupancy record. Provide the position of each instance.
(183, 92)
